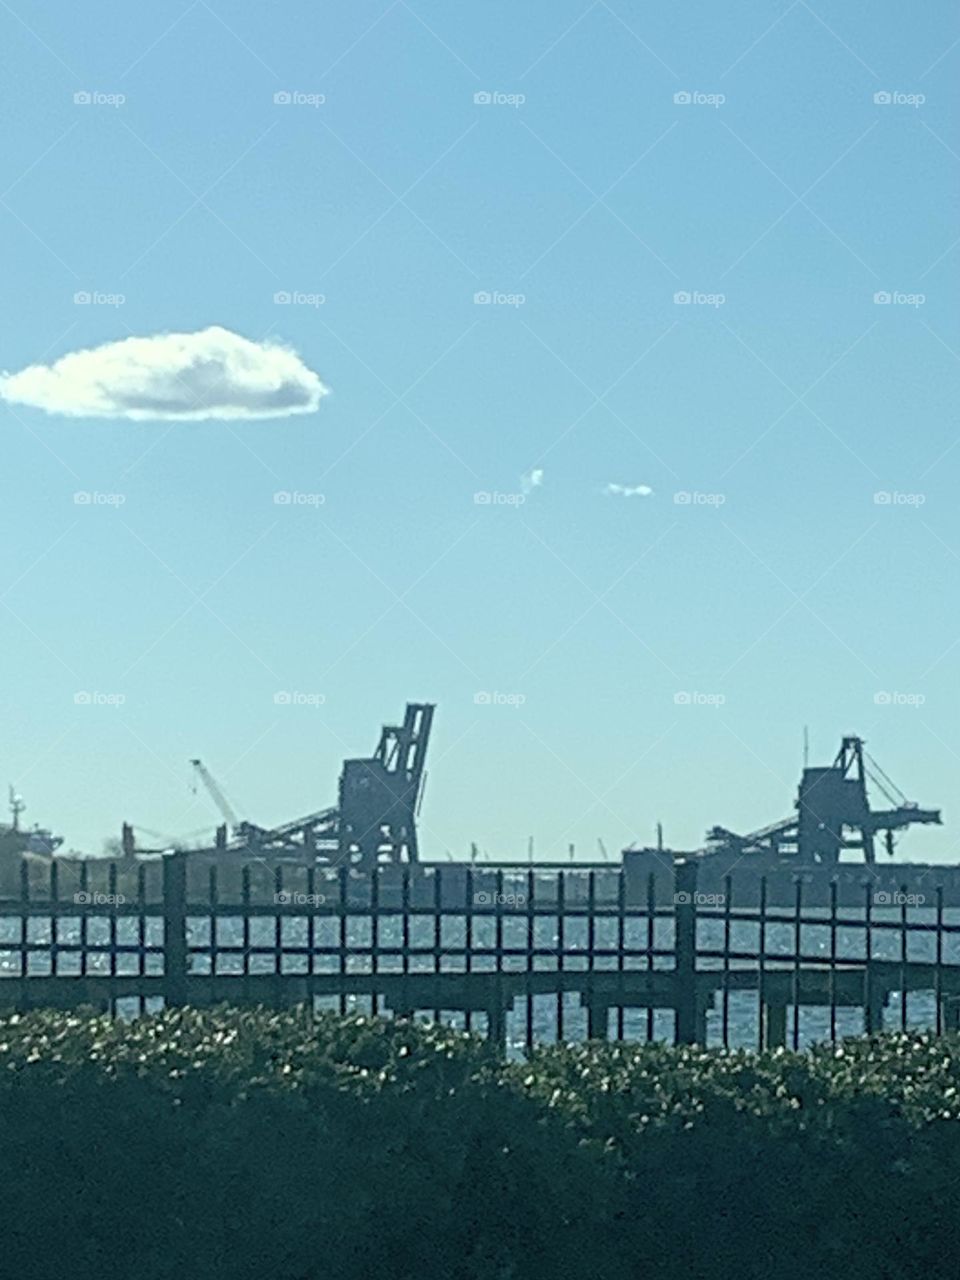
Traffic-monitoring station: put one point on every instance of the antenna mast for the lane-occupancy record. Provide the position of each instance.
(17, 807)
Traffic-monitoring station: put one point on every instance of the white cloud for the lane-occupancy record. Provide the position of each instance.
(181, 376)
(628, 490)
(531, 480)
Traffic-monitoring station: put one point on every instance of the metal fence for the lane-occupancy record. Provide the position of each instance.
(524, 955)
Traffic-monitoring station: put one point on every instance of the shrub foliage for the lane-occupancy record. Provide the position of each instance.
(275, 1146)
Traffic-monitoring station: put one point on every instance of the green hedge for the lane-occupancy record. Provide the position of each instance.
(238, 1144)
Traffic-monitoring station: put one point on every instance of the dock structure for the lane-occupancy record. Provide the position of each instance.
(554, 952)
(373, 822)
(833, 817)
(829, 843)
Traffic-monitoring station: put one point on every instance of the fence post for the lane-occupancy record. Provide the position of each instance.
(950, 1013)
(598, 1020)
(774, 1014)
(497, 1018)
(874, 1008)
(175, 929)
(685, 950)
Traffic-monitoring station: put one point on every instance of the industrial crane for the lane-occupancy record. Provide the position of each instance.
(373, 822)
(380, 795)
(833, 814)
(216, 794)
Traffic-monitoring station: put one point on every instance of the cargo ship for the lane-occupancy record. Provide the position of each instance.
(16, 840)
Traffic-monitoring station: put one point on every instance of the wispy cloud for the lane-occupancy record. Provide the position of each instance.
(182, 376)
(531, 480)
(614, 490)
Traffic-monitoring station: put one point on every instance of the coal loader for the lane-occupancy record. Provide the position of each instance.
(833, 819)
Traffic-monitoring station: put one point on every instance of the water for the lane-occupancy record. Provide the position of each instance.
(888, 942)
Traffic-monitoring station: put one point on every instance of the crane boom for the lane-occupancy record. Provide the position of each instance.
(216, 794)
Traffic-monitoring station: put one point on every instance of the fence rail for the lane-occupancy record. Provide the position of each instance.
(526, 955)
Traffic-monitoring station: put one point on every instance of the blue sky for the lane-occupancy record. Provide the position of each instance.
(583, 198)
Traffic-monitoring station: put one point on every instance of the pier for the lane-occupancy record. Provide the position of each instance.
(485, 945)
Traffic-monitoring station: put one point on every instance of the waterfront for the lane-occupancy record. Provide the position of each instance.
(506, 938)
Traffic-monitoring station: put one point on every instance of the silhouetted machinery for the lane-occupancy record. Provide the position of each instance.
(379, 797)
(833, 814)
(374, 821)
